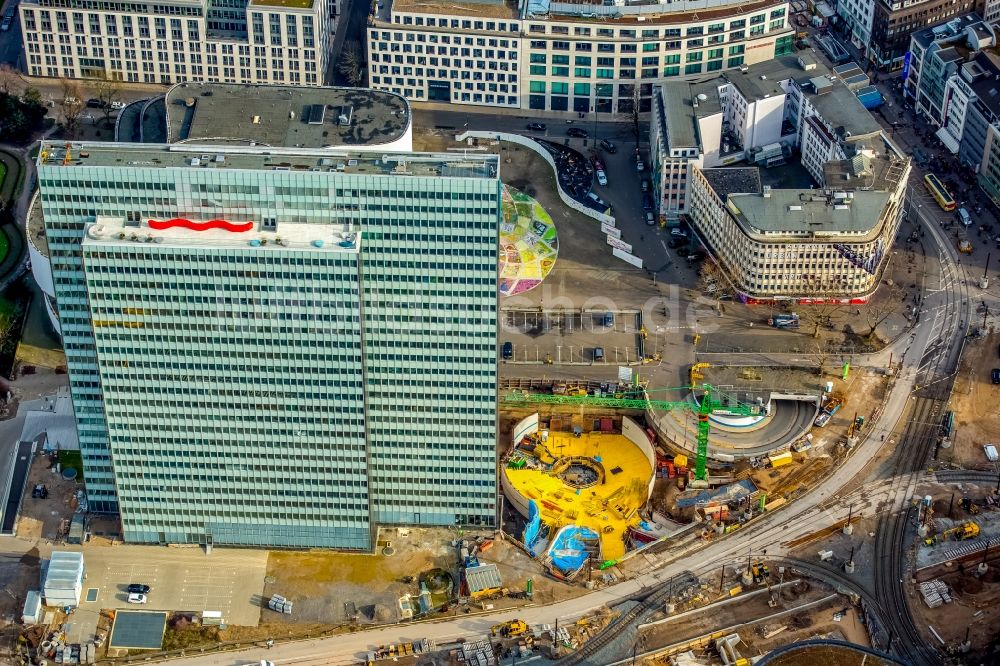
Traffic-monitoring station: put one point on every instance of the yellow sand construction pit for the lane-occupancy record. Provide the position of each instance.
(618, 470)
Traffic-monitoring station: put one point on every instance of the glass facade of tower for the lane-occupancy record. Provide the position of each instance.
(258, 385)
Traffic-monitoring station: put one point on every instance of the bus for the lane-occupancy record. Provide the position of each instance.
(939, 192)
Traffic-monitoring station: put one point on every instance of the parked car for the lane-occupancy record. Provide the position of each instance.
(602, 178)
(40, 491)
(995, 375)
(508, 350)
(647, 202)
(676, 242)
(136, 598)
(596, 199)
(7, 22)
(95, 103)
(678, 232)
(640, 165)
(577, 132)
(964, 217)
(117, 106)
(644, 185)
(138, 588)
(536, 127)
(650, 218)
(608, 146)
(599, 355)
(608, 319)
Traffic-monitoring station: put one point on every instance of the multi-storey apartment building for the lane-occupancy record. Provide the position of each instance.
(248, 330)
(780, 244)
(895, 20)
(586, 57)
(166, 41)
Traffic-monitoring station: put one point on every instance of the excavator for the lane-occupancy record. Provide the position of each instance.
(964, 531)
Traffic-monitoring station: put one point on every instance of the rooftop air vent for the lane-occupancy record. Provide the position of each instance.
(315, 114)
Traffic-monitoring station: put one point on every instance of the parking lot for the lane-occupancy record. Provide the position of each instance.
(181, 579)
(571, 337)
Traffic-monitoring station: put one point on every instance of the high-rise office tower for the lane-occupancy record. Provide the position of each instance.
(278, 346)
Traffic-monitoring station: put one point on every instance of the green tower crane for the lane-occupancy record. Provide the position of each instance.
(637, 398)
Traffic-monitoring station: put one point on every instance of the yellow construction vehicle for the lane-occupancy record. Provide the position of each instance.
(696, 374)
(964, 531)
(510, 629)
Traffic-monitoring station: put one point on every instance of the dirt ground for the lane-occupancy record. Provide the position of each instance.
(319, 583)
(974, 401)
(976, 606)
(43, 518)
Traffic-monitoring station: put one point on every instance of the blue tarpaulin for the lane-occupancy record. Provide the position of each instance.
(870, 97)
(534, 525)
(568, 552)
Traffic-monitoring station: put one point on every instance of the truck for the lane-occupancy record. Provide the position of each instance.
(784, 321)
(965, 247)
(829, 409)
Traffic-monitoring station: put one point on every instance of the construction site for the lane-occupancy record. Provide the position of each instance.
(594, 472)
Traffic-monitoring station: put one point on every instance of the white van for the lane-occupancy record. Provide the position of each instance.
(964, 216)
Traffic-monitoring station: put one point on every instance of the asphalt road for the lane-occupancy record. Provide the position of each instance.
(10, 41)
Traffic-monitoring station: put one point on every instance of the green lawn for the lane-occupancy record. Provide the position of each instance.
(72, 459)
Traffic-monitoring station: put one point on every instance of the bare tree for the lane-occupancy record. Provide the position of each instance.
(822, 358)
(712, 280)
(7, 332)
(883, 306)
(352, 62)
(71, 105)
(11, 81)
(821, 315)
(107, 89)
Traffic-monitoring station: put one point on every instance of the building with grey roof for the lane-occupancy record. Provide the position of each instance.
(271, 115)
(937, 54)
(828, 241)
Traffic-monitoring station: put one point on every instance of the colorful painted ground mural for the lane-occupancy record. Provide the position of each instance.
(528, 243)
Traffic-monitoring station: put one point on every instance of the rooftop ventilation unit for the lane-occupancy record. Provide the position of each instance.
(316, 114)
(346, 113)
(791, 208)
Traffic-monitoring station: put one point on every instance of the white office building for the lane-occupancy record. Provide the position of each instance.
(166, 41)
(587, 57)
(709, 142)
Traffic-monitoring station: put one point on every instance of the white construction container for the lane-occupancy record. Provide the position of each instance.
(991, 452)
(32, 613)
(63, 579)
